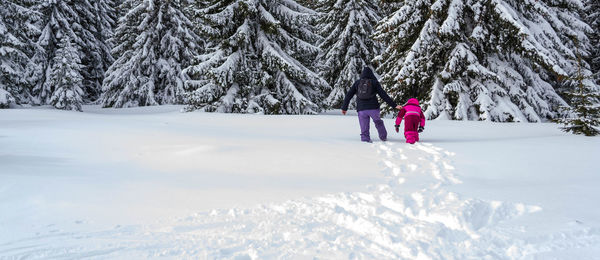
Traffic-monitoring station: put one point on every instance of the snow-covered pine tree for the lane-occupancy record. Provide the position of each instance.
(593, 19)
(193, 9)
(154, 41)
(16, 30)
(347, 47)
(6, 99)
(108, 15)
(498, 60)
(58, 21)
(388, 7)
(260, 61)
(583, 116)
(120, 9)
(94, 25)
(65, 77)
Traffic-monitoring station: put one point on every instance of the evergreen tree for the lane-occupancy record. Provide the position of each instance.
(58, 21)
(388, 7)
(108, 14)
(347, 46)
(593, 18)
(94, 25)
(16, 30)
(120, 9)
(6, 99)
(154, 41)
(65, 77)
(584, 114)
(259, 59)
(498, 60)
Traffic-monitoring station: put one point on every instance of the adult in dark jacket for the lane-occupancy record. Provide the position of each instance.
(368, 107)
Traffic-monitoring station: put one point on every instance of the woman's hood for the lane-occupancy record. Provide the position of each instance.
(367, 73)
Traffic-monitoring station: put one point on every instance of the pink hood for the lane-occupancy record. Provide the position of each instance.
(413, 101)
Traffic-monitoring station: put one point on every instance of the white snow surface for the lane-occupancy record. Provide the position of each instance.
(152, 182)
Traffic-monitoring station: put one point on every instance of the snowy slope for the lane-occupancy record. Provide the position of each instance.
(150, 182)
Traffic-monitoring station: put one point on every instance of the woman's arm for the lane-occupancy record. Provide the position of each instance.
(349, 96)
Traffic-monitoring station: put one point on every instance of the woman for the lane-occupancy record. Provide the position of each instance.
(367, 88)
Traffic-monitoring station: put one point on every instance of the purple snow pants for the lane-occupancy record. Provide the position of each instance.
(363, 120)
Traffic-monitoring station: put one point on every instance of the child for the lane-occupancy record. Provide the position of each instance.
(414, 120)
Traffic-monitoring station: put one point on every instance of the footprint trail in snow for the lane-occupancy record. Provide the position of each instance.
(412, 216)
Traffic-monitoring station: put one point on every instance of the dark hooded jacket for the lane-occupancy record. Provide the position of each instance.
(367, 104)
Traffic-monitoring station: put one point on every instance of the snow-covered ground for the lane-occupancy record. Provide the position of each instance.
(151, 182)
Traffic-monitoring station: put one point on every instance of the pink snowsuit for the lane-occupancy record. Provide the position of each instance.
(413, 117)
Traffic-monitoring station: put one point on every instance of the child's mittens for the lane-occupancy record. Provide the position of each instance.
(421, 129)
(397, 128)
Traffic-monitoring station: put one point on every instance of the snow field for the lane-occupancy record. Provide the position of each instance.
(244, 232)
(411, 216)
(408, 209)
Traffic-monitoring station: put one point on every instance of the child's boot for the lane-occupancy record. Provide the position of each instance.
(411, 137)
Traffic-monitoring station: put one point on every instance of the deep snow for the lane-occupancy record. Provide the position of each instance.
(149, 182)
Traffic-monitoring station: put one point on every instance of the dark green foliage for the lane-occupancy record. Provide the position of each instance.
(584, 112)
